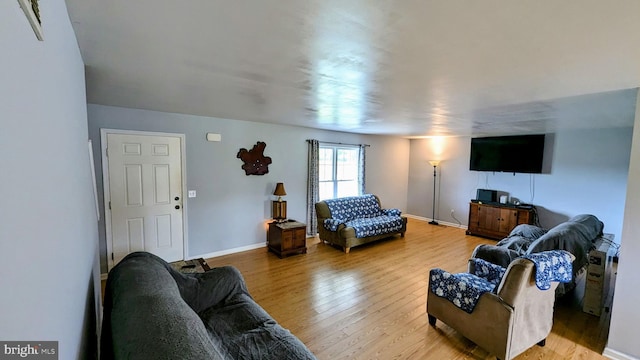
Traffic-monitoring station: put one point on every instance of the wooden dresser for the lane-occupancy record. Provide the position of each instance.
(496, 221)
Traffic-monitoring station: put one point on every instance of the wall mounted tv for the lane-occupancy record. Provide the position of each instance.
(516, 154)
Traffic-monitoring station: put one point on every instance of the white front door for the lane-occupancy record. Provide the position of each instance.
(145, 194)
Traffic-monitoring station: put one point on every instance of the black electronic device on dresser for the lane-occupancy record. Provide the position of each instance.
(487, 196)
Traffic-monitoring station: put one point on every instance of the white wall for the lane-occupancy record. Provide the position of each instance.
(625, 317)
(48, 228)
(455, 183)
(588, 175)
(231, 209)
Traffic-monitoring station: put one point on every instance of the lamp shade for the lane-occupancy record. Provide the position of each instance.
(279, 190)
(434, 162)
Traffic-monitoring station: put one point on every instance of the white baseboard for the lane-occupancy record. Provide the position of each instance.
(229, 251)
(446, 223)
(215, 254)
(617, 355)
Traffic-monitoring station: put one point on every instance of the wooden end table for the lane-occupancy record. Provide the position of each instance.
(287, 238)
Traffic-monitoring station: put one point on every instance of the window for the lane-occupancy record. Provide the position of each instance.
(338, 170)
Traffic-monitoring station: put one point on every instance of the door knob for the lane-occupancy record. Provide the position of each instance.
(177, 207)
(177, 198)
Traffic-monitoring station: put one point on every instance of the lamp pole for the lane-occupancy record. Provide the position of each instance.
(433, 218)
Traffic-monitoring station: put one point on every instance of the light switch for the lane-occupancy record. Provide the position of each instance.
(192, 193)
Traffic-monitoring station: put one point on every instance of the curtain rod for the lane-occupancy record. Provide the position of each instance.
(337, 143)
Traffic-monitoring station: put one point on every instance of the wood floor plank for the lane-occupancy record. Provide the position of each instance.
(371, 303)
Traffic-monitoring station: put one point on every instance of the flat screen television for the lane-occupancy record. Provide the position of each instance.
(516, 154)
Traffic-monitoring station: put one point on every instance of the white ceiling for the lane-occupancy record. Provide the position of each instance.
(404, 67)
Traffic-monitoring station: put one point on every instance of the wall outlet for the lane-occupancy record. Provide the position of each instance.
(452, 211)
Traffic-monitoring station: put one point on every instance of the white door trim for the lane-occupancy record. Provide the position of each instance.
(107, 194)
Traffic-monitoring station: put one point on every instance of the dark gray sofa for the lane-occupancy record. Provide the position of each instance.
(576, 235)
(154, 312)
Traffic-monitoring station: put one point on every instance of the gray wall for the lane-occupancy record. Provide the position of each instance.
(48, 228)
(625, 317)
(231, 210)
(588, 174)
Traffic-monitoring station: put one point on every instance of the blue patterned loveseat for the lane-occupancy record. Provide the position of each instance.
(356, 220)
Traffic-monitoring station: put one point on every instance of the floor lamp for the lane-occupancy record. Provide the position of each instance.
(433, 218)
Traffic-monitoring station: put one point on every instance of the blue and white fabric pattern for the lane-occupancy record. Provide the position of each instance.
(489, 271)
(463, 289)
(354, 207)
(391, 212)
(375, 226)
(552, 265)
(364, 214)
(332, 224)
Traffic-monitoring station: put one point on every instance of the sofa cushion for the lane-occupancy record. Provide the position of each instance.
(354, 207)
(375, 225)
(247, 331)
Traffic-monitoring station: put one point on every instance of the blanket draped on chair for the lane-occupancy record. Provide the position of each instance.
(552, 265)
(464, 289)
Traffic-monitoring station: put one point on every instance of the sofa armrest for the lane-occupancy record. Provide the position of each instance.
(391, 212)
(332, 224)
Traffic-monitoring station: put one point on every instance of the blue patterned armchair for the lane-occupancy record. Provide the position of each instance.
(356, 220)
(504, 311)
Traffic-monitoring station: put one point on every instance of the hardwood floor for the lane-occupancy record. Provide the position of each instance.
(371, 303)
